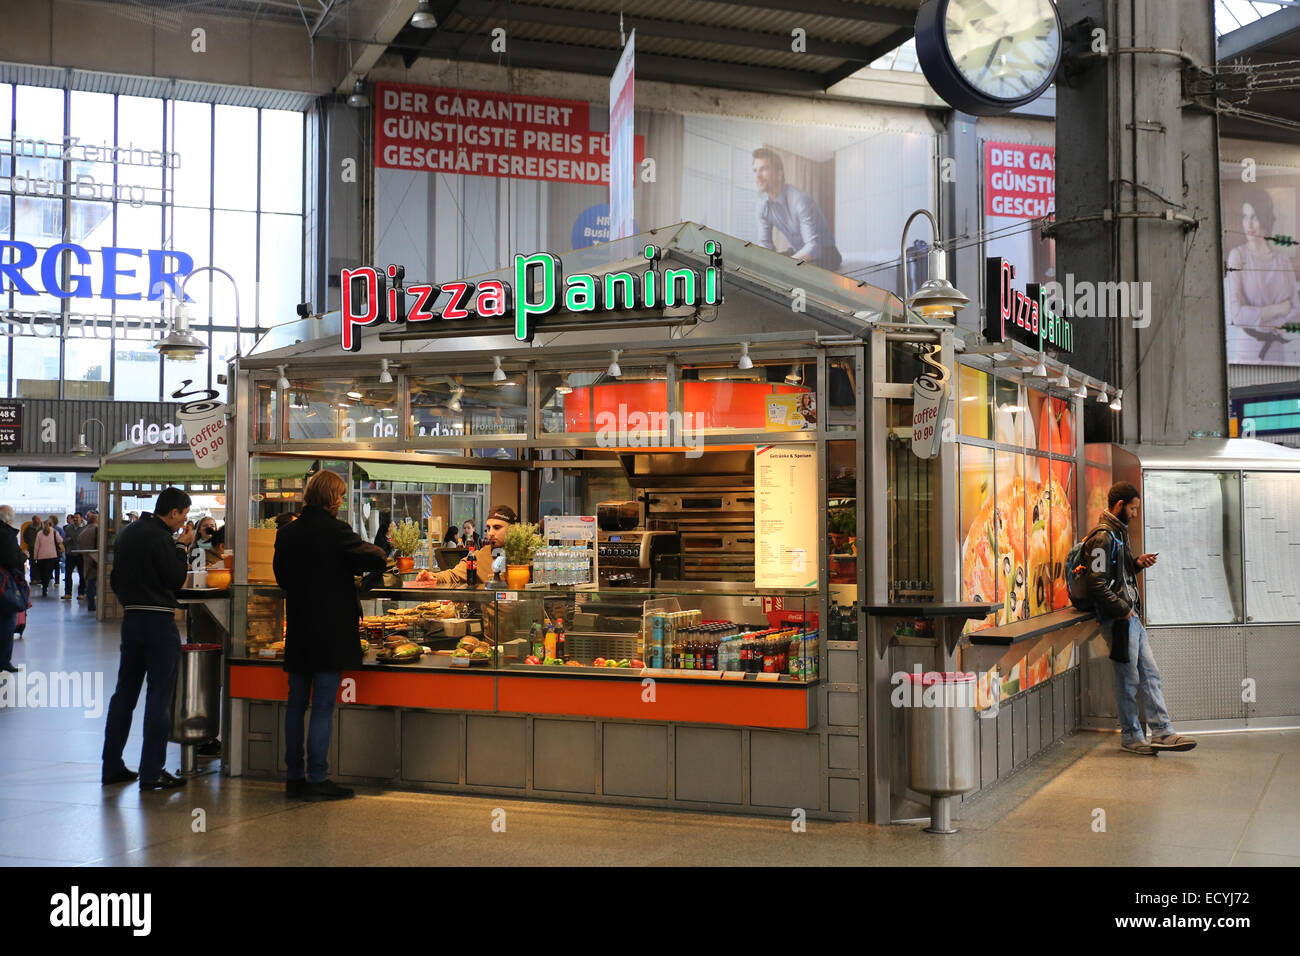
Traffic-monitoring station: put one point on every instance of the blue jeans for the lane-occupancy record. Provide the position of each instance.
(322, 688)
(7, 625)
(151, 646)
(1140, 674)
(92, 590)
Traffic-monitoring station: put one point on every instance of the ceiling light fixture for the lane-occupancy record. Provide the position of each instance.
(614, 371)
(796, 375)
(423, 18)
(564, 388)
(745, 362)
(281, 382)
(1040, 370)
(384, 377)
(1064, 381)
(498, 374)
(355, 396)
(1102, 397)
(1083, 389)
(1116, 405)
(457, 393)
(358, 100)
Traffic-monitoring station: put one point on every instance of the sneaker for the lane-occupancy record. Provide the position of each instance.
(326, 790)
(1139, 747)
(1175, 742)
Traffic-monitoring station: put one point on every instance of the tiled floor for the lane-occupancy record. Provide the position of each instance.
(1233, 801)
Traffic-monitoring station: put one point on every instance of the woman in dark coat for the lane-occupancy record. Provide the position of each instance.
(316, 560)
(381, 536)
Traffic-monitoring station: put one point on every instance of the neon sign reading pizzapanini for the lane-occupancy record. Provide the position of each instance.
(540, 288)
(1012, 314)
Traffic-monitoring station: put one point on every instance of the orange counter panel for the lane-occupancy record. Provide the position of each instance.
(703, 703)
(432, 691)
(709, 702)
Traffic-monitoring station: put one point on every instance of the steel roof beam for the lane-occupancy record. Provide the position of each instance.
(486, 10)
(871, 53)
(839, 9)
(584, 59)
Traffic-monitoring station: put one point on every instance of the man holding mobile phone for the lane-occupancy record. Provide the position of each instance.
(1111, 575)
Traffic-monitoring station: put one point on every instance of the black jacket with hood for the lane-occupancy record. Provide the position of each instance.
(1113, 589)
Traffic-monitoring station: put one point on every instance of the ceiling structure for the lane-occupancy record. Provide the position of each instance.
(1270, 47)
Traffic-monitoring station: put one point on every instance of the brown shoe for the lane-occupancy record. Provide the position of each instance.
(1139, 747)
(1175, 742)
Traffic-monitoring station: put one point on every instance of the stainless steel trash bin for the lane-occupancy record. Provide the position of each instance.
(196, 708)
(941, 741)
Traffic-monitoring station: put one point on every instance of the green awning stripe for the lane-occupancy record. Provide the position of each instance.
(424, 474)
(171, 471)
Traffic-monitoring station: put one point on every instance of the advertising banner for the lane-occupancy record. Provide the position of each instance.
(465, 179)
(622, 139)
(445, 130)
(1019, 180)
(1261, 298)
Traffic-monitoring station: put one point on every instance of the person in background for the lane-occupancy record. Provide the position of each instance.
(1111, 570)
(71, 561)
(381, 535)
(317, 558)
(468, 538)
(30, 530)
(792, 212)
(452, 538)
(88, 544)
(53, 521)
(47, 548)
(149, 567)
(14, 561)
(203, 534)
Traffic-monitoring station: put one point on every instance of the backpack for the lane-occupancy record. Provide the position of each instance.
(1076, 565)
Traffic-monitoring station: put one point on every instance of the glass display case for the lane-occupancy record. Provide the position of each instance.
(757, 636)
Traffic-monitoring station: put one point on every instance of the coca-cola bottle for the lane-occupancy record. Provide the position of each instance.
(471, 570)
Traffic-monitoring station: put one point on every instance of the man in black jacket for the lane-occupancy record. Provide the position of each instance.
(15, 562)
(317, 558)
(149, 567)
(1111, 575)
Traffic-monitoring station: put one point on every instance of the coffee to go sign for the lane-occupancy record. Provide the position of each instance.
(540, 288)
(1023, 316)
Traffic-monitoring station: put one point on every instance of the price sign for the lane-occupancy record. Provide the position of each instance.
(11, 425)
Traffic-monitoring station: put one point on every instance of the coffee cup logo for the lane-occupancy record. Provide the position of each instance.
(204, 420)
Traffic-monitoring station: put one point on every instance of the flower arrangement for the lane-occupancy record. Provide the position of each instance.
(522, 540)
(405, 537)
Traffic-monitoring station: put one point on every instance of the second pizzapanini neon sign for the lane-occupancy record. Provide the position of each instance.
(368, 298)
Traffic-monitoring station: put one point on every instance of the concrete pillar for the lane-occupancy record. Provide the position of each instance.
(1128, 149)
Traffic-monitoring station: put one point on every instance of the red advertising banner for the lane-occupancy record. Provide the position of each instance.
(478, 133)
(1019, 180)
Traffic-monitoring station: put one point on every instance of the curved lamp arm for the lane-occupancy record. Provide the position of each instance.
(234, 287)
(938, 259)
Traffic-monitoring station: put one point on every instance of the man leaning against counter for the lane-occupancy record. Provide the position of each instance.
(494, 534)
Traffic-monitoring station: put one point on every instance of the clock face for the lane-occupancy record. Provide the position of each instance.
(1005, 49)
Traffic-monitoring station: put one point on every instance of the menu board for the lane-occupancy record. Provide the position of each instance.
(785, 516)
(1272, 541)
(11, 425)
(1183, 522)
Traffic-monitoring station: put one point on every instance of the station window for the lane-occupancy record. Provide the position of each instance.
(221, 184)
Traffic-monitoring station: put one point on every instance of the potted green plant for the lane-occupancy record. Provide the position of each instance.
(843, 527)
(406, 540)
(522, 541)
